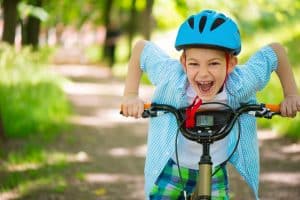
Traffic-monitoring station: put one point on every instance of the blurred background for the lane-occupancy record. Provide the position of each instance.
(62, 68)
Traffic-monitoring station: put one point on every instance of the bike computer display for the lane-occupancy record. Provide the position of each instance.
(212, 119)
(204, 120)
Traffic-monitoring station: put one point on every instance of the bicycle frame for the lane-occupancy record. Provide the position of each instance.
(207, 134)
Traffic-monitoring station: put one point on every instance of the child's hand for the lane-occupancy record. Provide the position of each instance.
(290, 106)
(132, 106)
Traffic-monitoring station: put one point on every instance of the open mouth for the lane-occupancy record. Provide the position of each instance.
(205, 86)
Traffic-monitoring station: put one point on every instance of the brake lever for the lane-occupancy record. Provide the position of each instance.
(265, 113)
(152, 113)
(148, 113)
(268, 115)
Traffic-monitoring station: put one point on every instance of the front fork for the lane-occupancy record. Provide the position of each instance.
(203, 186)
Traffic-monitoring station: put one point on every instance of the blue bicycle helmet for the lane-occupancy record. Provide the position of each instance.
(209, 29)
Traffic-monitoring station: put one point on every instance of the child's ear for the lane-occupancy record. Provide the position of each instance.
(182, 60)
(232, 63)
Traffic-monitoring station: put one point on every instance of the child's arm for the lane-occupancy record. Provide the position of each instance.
(132, 105)
(291, 103)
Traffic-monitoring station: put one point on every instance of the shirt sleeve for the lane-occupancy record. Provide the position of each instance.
(157, 64)
(253, 76)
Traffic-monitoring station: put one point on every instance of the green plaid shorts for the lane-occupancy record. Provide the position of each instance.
(168, 186)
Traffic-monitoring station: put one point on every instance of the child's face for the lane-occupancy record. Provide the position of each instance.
(206, 70)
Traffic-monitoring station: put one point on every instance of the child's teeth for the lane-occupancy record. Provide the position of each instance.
(205, 85)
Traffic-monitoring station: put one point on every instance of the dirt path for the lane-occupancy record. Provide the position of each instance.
(110, 149)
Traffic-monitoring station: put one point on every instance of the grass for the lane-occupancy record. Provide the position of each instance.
(34, 109)
(26, 110)
(32, 97)
(33, 164)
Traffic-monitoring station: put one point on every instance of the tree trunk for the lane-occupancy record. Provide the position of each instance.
(10, 20)
(2, 133)
(148, 20)
(107, 11)
(132, 25)
(106, 15)
(113, 32)
(32, 31)
(31, 28)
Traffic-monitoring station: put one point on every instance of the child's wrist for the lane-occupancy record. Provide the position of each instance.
(131, 94)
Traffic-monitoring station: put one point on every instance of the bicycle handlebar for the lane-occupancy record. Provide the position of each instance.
(211, 125)
(147, 106)
(273, 107)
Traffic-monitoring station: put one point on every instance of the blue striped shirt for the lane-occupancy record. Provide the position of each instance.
(171, 82)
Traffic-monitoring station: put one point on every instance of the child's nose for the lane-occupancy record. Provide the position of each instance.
(203, 72)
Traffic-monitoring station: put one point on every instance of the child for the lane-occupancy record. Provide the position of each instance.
(207, 70)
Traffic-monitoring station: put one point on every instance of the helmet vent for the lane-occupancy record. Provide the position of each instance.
(202, 23)
(191, 22)
(217, 23)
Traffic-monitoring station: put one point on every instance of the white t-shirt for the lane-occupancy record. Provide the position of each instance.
(189, 152)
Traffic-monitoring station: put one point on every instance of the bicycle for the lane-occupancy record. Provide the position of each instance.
(210, 126)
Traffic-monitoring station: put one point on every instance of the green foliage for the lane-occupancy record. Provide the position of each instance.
(32, 100)
(93, 53)
(26, 10)
(293, 52)
(166, 15)
(250, 15)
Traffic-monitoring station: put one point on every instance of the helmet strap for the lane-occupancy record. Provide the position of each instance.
(227, 58)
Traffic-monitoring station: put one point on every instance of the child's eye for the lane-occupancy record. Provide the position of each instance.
(214, 63)
(193, 64)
